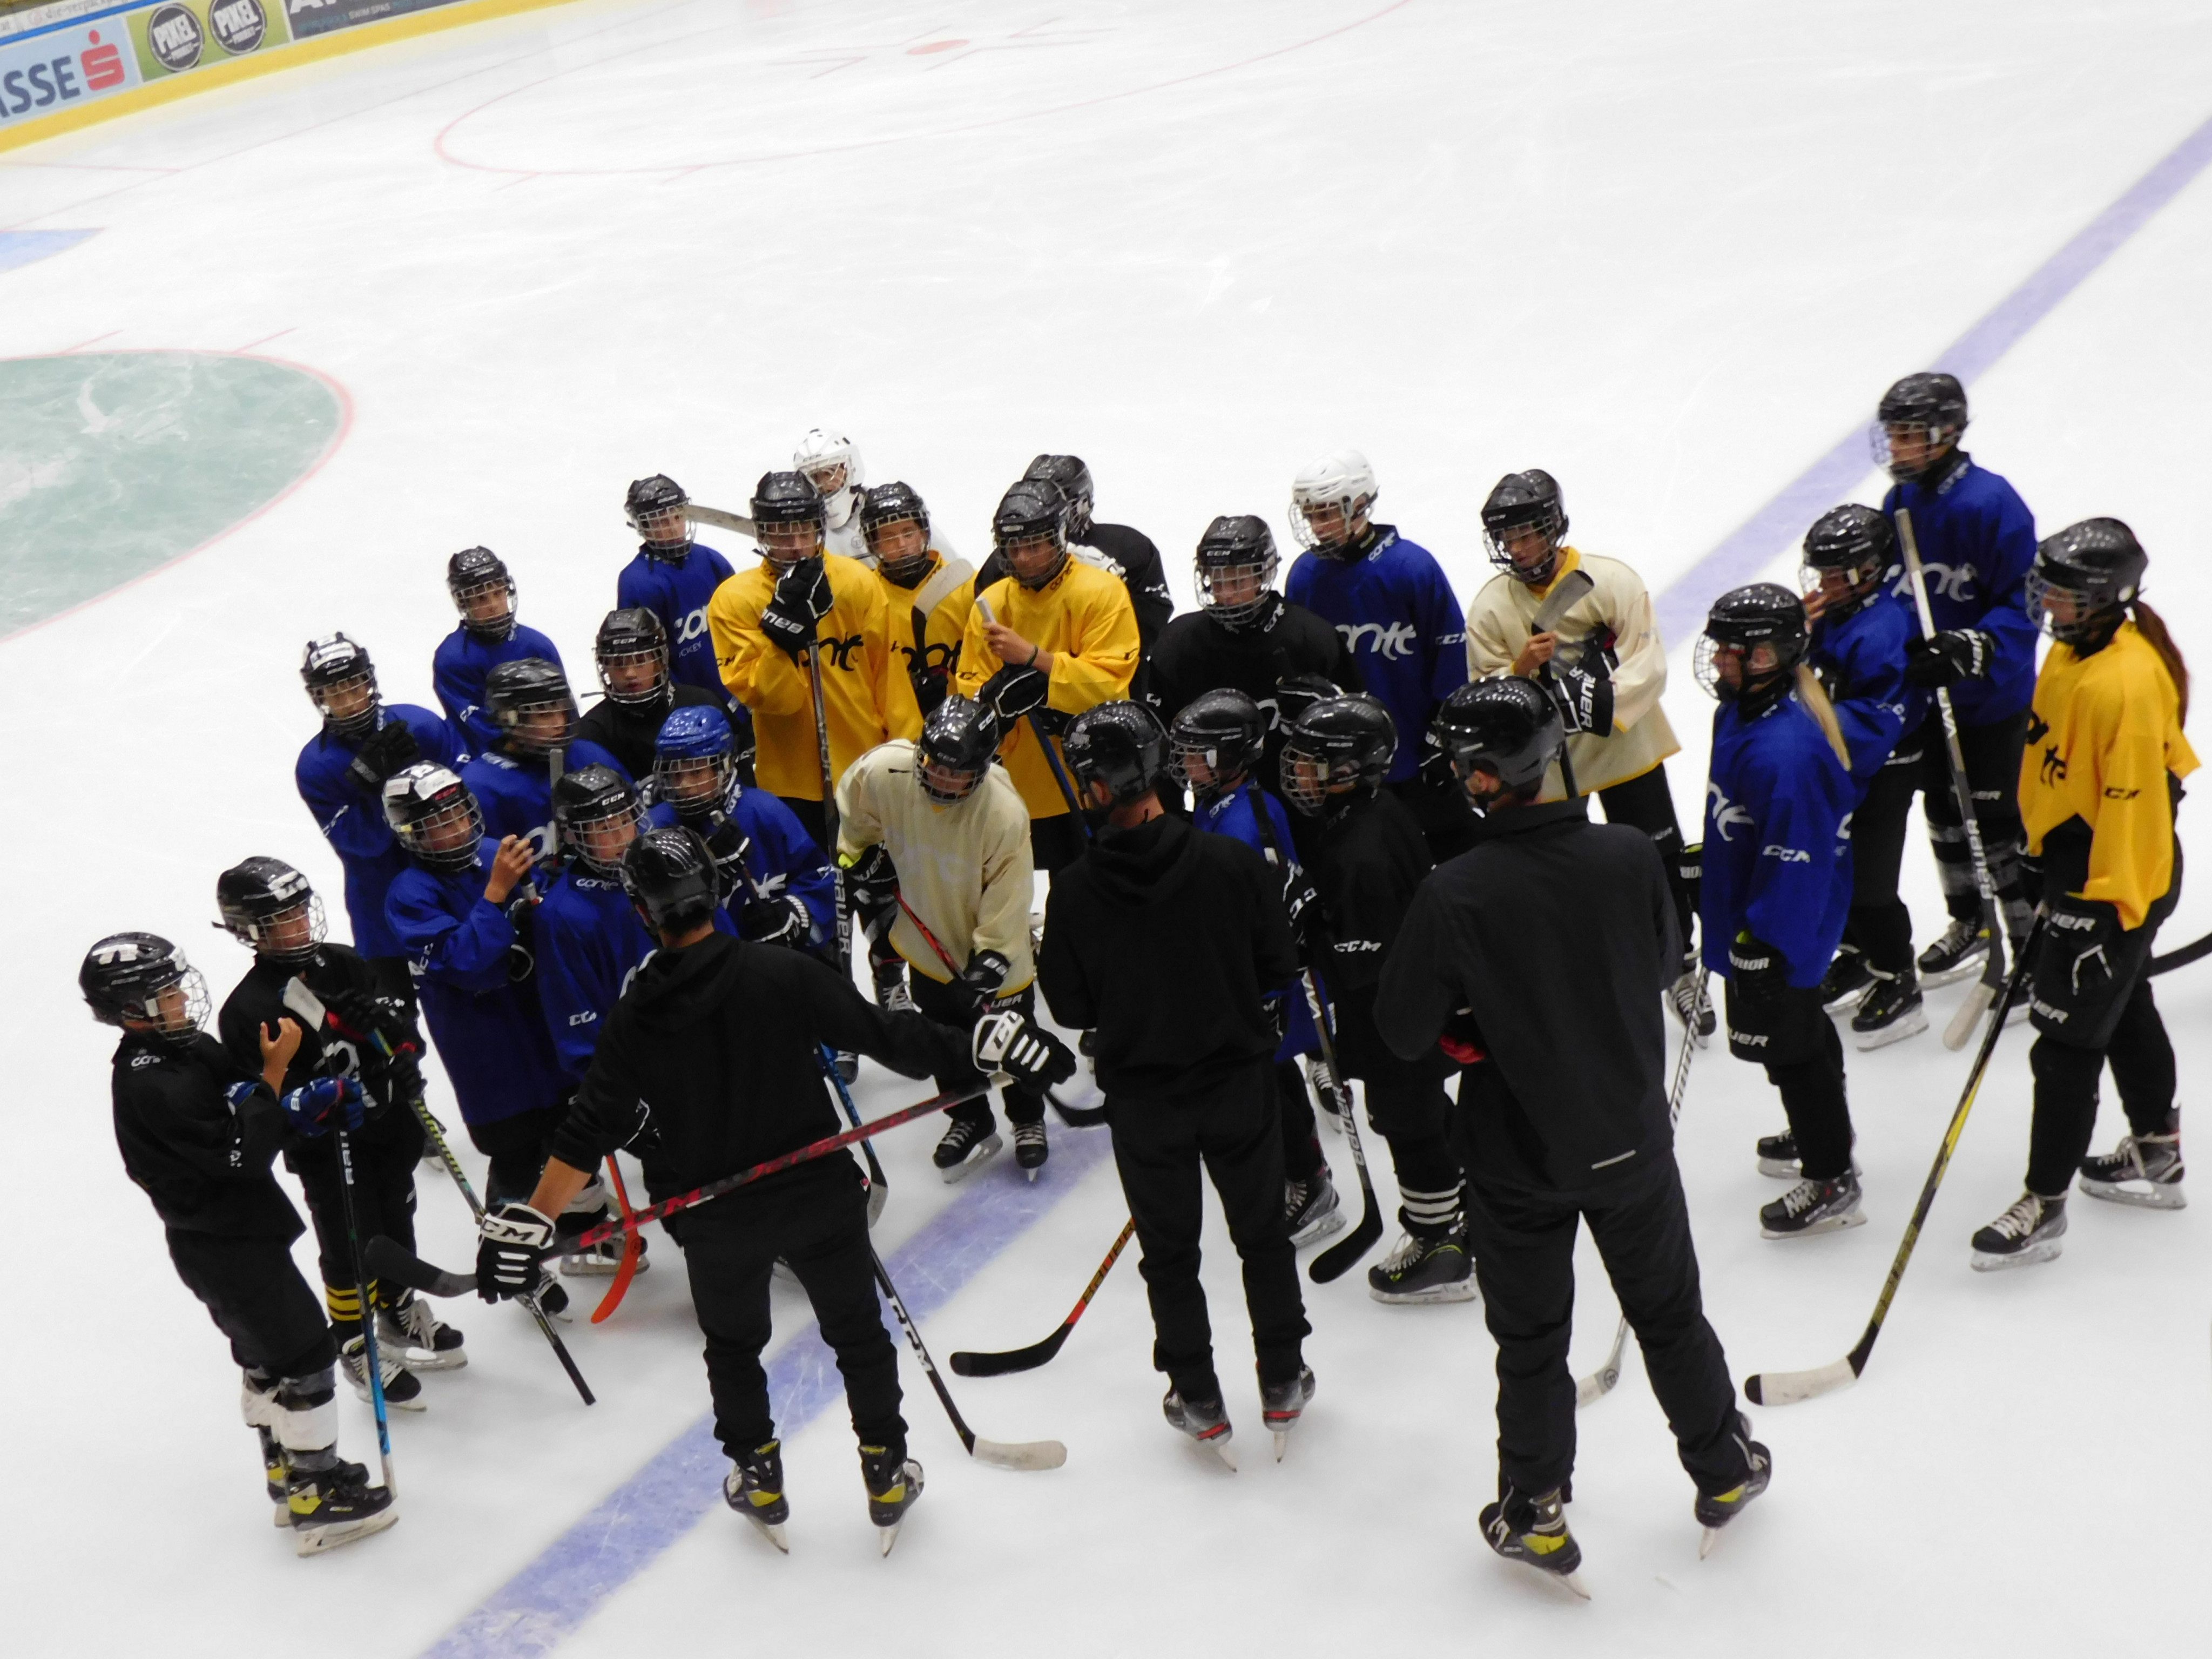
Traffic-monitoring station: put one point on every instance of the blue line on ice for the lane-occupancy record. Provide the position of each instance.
(537, 1609)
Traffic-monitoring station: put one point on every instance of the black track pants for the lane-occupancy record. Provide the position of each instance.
(1789, 1033)
(1881, 927)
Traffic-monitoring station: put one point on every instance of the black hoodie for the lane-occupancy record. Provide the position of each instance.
(1162, 939)
(710, 1063)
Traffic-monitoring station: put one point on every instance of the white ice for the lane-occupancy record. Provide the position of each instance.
(1668, 252)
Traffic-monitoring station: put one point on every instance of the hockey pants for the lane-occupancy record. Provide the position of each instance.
(1880, 927)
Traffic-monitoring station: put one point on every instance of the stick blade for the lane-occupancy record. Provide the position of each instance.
(633, 1249)
(878, 1196)
(1594, 1387)
(967, 1364)
(1960, 1031)
(1026, 1455)
(1339, 1259)
(392, 1259)
(1788, 1387)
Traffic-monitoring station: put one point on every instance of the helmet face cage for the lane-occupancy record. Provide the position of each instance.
(1309, 776)
(944, 781)
(1210, 760)
(911, 556)
(450, 819)
(292, 933)
(1904, 449)
(2075, 607)
(694, 784)
(654, 509)
(1859, 580)
(526, 735)
(347, 705)
(1705, 662)
(589, 832)
(831, 462)
(1235, 585)
(139, 977)
(473, 595)
(177, 1009)
(1502, 534)
(1350, 507)
(613, 664)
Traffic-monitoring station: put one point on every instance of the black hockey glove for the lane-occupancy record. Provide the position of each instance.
(2082, 936)
(1585, 699)
(984, 977)
(1955, 654)
(780, 918)
(513, 1241)
(872, 882)
(1277, 1008)
(791, 632)
(389, 749)
(1690, 871)
(1028, 1054)
(804, 590)
(1014, 691)
(732, 850)
(1756, 968)
(1302, 903)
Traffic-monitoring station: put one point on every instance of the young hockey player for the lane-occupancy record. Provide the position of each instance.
(269, 906)
(341, 775)
(1603, 660)
(1390, 601)
(1562, 1112)
(1128, 554)
(1977, 539)
(1216, 744)
(930, 592)
(830, 461)
(709, 1021)
(1365, 852)
(197, 1134)
(535, 713)
(673, 577)
(934, 840)
(2098, 787)
(632, 652)
(1862, 635)
(1053, 637)
(1777, 886)
(1166, 940)
(489, 635)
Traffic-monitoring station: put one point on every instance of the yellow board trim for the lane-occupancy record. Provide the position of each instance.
(174, 87)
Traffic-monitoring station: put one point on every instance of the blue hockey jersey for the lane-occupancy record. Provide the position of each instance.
(1401, 622)
(1233, 815)
(677, 592)
(1778, 856)
(350, 815)
(1977, 541)
(489, 1029)
(458, 669)
(1861, 661)
(515, 792)
(589, 944)
(784, 857)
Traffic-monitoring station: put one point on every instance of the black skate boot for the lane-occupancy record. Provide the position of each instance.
(411, 1329)
(2029, 1232)
(403, 1390)
(1778, 1156)
(1846, 981)
(275, 1474)
(552, 1300)
(1312, 1207)
(1335, 1105)
(1533, 1531)
(1812, 1207)
(847, 1064)
(1715, 1509)
(894, 1488)
(2144, 1169)
(1282, 1403)
(1955, 956)
(334, 1506)
(1890, 1011)
(892, 995)
(1203, 1420)
(1429, 1266)
(1688, 997)
(1029, 1149)
(968, 1144)
(753, 1488)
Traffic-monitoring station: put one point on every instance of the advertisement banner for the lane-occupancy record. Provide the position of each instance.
(309, 18)
(64, 67)
(181, 35)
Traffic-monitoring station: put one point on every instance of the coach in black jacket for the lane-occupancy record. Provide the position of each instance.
(1539, 958)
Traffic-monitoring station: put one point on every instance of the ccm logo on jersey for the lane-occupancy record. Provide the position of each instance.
(1725, 813)
(1787, 854)
(1354, 946)
(1391, 640)
(584, 1019)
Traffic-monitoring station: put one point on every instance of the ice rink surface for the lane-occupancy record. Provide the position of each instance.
(1672, 254)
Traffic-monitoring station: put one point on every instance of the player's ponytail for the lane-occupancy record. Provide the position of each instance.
(2153, 628)
(1815, 696)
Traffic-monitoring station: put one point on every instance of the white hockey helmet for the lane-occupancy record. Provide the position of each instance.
(831, 462)
(1341, 479)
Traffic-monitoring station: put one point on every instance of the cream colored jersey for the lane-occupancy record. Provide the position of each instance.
(1615, 617)
(965, 869)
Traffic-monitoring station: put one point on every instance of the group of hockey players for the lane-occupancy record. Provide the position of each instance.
(1302, 838)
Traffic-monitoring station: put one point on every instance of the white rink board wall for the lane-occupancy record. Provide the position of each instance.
(1669, 256)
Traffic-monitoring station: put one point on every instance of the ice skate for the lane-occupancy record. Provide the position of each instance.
(1688, 997)
(403, 1390)
(1715, 1509)
(1030, 1148)
(1312, 1207)
(276, 1473)
(849, 1065)
(1956, 956)
(1534, 1532)
(1812, 1207)
(2142, 1169)
(894, 1488)
(1435, 1268)
(1335, 1106)
(753, 1488)
(2029, 1232)
(602, 1259)
(335, 1505)
(1891, 1011)
(892, 995)
(1204, 1421)
(1281, 1404)
(1778, 1156)
(1846, 982)
(966, 1147)
(410, 1328)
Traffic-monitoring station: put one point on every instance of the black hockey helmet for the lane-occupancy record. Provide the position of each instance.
(1338, 747)
(340, 682)
(788, 517)
(1119, 745)
(126, 976)
(629, 640)
(1221, 732)
(267, 904)
(955, 749)
(1073, 479)
(2084, 579)
(1917, 420)
(1520, 503)
(669, 875)
(434, 816)
(1296, 693)
(1509, 729)
(515, 691)
(598, 813)
(473, 576)
(1856, 544)
(1237, 554)
(1031, 510)
(653, 507)
(894, 503)
(1743, 620)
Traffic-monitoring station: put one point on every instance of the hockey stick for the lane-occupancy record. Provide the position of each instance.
(1788, 1387)
(722, 521)
(1960, 1031)
(1565, 593)
(1051, 756)
(2196, 951)
(1028, 1360)
(1599, 1382)
(1026, 1456)
(304, 1002)
(633, 1249)
(878, 1189)
(829, 801)
(371, 1361)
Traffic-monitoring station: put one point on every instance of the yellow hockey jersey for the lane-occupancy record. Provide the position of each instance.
(965, 869)
(929, 620)
(864, 690)
(2106, 730)
(1082, 617)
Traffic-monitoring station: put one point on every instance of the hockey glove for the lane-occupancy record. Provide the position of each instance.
(777, 919)
(1014, 691)
(1585, 699)
(790, 631)
(1690, 871)
(240, 1096)
(803, 591)
(328, 1102)
(2083, 936)
(871, 882)
(390, 750)
(732, 850)
(1028, 1054)
(1945, 659)
(1756, 968)
(1302, 902)
(984, 977)
(513, 1241)
(1461, 1039)
(1277, 1008)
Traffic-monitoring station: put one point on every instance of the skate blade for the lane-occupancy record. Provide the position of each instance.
(2157, 1198)
(1572, 1581)
(1033, 1173)
(772, 1531)
(1221, 1449)
(1849, 1000)
(1282, 1440)
(429, 1359)
(2048, 1250)
(1835, 1223)
(1966, 968)
(1315, 1230)
(1897, 1030)
(1706, 1544)
(978, 1155)
(415, 1404)
(281, 1512)
(596, 1267)
(889, 1537)
(1460, 1291)
(321, 1539)
(1778, 1170)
